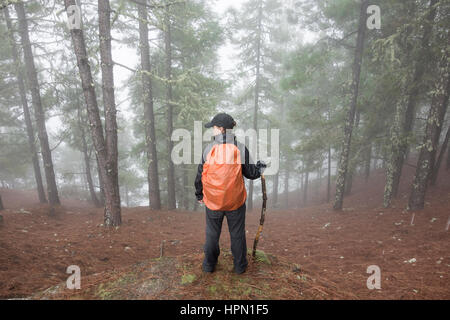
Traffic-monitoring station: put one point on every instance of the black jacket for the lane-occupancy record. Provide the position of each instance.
(249, 169)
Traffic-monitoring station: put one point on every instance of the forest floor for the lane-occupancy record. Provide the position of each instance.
(306, 253)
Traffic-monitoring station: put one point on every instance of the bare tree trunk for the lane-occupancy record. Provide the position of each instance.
(286, 186)
(87, 161)
(329, 174)
(100, 183)
(171, 195)
(399, 152)
(112, 208)
(353, 163)
(106, 151)
(1, 204)
(448, 156)
(367, 162)
(349, 182)
(344, 156)
(39, 113)
(26, 111)
(149, 119)
(305, 189)
(430, 143)
(437, 166)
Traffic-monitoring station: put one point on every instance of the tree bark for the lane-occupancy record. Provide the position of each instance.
(149, 118)
(399, 152)
(171, 196)
(344, 156)
(100, 182)
(286, 186)
(440, 157)
(367, 162)
(106, 151)
(448, 154)
(329, 174)
(305, 189)
(112, 208)
(1, 204)
(430, 142)
(87, 161)
(26, 111)
(436, 164)
(39, 113)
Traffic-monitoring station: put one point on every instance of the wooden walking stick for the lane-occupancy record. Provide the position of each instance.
(263, 215)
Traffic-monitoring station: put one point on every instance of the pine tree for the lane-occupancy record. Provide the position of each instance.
(152, 172)
(26, 112)
(39, 113)
(106, 151)
(348, 126)
(434, 124)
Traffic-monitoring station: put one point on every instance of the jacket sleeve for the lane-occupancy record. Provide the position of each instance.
(249, 169)
(198, 181)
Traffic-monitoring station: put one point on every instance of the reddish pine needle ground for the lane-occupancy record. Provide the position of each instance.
(334, 248)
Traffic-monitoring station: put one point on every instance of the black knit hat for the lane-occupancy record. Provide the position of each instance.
(222, 120)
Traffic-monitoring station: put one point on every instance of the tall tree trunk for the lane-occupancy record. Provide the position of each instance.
(87, 161)
(329, 174)
(430, 142)
(100, 182)
(105, 152)
(39, 113)
(286, 186)
(305, 189)
(149, 118)
(448, 155)
(171, 196)
(257, 91)
(367, 162)
(352, 163)
(112, 209)
(399, 151)
(1, 204)
(344, 156)
(349, 182)
(26, 111)
(437, 166)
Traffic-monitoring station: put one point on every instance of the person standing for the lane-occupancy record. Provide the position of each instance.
(219, 185)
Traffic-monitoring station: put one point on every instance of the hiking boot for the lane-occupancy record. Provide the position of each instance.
(208, 270)
(239, 271)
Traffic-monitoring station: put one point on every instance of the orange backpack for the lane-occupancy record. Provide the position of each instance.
(223, 184)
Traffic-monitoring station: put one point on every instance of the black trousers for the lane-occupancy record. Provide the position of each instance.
(236, 226)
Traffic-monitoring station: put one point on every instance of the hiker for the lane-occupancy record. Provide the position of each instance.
(220, 187)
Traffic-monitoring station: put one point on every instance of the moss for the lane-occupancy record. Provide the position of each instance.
(111, 290)
(262, 257)
(188, 278)
(212, 289)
